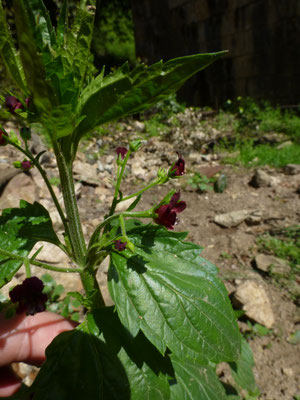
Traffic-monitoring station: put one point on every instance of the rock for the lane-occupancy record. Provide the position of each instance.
(7, 172)
(254, 218)
(124, 205)
(19, 187)
(50, 254)
(262, 179)
(232, 219)
(292, 169)
(102, 281)
(139, 126)
(287, 143)
(272, 264)
(87, 173)
(254, 301)
(110, 159)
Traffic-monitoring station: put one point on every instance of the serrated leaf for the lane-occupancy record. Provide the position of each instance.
(141, 89)
(78, 41)
(133, 369)
(9, 54)
(20, 229)
(195, 381)
(241, 370)
(175, 299)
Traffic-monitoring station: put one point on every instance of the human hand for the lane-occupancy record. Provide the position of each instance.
(24, 339)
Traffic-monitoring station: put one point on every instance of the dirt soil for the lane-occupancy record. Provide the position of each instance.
(277, 367)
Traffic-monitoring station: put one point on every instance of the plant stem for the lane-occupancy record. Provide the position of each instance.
(48, 184)
(28, 261)
(78, 244)
(152, 184)
(118, 184)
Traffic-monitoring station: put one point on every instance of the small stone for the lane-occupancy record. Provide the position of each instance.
(255, 302)
(19, 187)
(87, 173)
(110, 159)
(292, 169)
(275, 265)
(284, 144)
(262, 179)
(287, 371)
(139, 126)
(234, 218)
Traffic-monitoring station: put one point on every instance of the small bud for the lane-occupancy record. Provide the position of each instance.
(162, 174)
(26, 165)
(25, 133)
(121, 151)
(12, 103)
(135, 145)
(178, 168)
(119, 245)
(3, 141)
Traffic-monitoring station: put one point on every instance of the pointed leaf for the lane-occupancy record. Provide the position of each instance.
(144, 87)
(9, 54)
(62, 24)
(20, 229)
(176, 301)
(195, 381)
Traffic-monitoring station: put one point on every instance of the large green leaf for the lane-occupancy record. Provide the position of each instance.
(142, 88)
(132, 367)
(241, 370)
(20, 229)
(9, 54)
(195, 381)
(174, 298)
(72, 370)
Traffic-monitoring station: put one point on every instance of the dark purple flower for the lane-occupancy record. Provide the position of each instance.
(178, 167)
(120, 245)
(29, 296)
(3, 141)
(27, 101)
(12, 103)
(121, 151)
(26, 165)
(167, 213)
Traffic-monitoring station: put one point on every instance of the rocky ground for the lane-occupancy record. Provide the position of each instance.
(226, 224)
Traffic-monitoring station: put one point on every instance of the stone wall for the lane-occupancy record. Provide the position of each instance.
(262, 36)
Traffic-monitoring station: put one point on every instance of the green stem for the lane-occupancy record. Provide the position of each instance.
(154, 183)
(118, 184)
(26, 260)
(72, 212)
(88, 276)
(95, 235)
(48, 184)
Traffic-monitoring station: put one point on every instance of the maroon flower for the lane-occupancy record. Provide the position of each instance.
(121, 151)
(26, 165)
(120, 245)
(12, 103)
(178, 167)
(167, 213)
(3, 141)
(29, 296)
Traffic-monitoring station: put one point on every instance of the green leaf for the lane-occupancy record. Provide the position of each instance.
(20, 229)
(195, 381)
(72, 369)
(9, 54)
(132, 367)
(175, 298)
(30, 40)
(130, 93)
(78, 41)
(241, 370)
(62, 24)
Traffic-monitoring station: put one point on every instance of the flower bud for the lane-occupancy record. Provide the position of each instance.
(25, 133)
(119, 245)
(135, 145)
(121, 151)
(26, 165)
(12, 103)
(178, 168)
